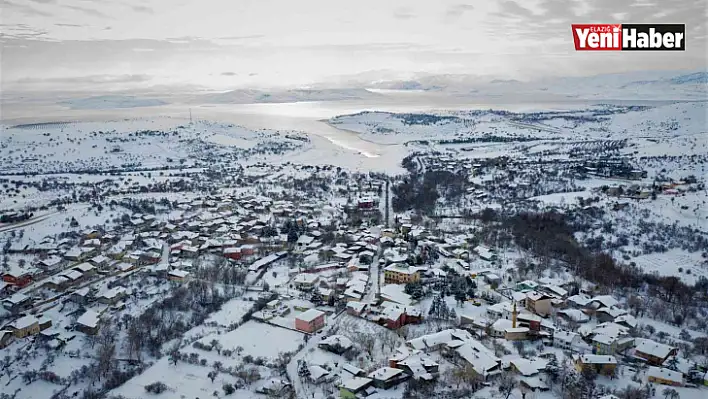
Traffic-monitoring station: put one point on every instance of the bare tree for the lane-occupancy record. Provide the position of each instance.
(507, 383)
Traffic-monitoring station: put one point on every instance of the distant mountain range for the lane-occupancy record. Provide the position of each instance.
(287, 96)
(633, 85)
(111, 102)
(649, 85)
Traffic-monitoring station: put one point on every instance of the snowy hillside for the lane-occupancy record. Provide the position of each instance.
(597, 122)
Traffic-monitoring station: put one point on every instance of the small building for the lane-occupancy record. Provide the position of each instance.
(310, 321)
(352, 387)
(88, 323)
(81, 296)
(303, 242)
(355, 308)
(654, 353)
(387, 377)
(25, 326)
(602, 364)
(395, 274)
(516, 334)
(86, 269)
(232, 253)
(336, 344)
(18, 277)
(112, 296)
(566, 340)
(99, 261)
(306, 281)
(420, 367)
(539, 303)
(17, 302)
(660, 375)
(604, 315)
(178, 276)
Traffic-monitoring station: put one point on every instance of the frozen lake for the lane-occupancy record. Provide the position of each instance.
(308, 117)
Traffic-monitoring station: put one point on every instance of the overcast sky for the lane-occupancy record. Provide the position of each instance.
(108, 44)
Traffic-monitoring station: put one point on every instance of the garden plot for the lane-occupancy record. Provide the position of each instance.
(259, 339)
(231, 312)
(183, 380)
(692, 266)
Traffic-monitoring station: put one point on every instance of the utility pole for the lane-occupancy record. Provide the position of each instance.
(190, 116)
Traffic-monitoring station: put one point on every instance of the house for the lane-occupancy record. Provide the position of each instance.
(51, 263)
(24, 326)
(232, 253)
(573, 315)
(387, 377)
(318, 374)
(604, 315)
(533, 384)
(526, 367)
(353, 370)
(112, 296)
(274, 388)
(604, 344)
(86, 269)
(178, 276)
(99, 261)
(516, 334)
(602, 364)
(352, 387)
(420, 367)
(81, 296)
(88, 323)
(303, 241)
(660, 375)
(526, 286)
(553, 289)
(306, 281)
(355, 308)
(567, 340)
(69, 277)
(579, 301)
(17, 276)
(652, 352)
(481, 360)
(395, 316)
(310, 321)
(485, 253)
(79, 253)
(627, 320)
(395, 274)
(492, 279)
(266, 261)
(601, 301)
(336, 344)
(17, 302)
(6, 338)
(539, 303)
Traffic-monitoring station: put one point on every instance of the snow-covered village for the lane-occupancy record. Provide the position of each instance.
(478, 254)
(317, 199)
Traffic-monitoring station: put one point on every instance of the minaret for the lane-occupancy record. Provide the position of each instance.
(513, 316)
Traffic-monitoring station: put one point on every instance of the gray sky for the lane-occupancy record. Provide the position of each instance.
(126, 44)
